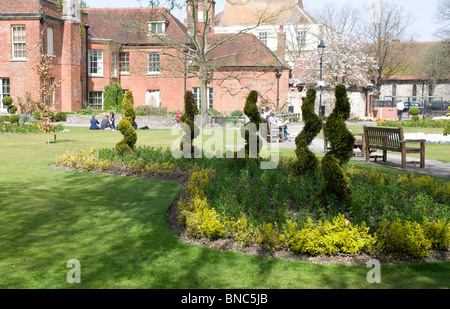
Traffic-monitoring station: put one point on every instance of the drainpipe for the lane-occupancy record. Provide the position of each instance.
(87, 64)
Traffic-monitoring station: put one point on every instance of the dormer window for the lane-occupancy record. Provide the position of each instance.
(157, 27)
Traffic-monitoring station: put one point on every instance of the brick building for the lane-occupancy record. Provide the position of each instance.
(94, 47)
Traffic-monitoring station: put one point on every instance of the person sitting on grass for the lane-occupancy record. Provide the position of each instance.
(105, 124)
(94, 124)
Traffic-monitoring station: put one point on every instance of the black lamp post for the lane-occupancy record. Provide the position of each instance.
(321, 49)
(278, 75)
(185, 51)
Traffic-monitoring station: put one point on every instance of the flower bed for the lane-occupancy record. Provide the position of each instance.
(7, 127)
(235, 199)
(425, 123)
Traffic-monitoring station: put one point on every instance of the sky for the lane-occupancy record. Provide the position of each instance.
(422, 12)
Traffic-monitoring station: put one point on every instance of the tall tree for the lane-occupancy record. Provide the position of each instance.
(443, 18)
(384, 28)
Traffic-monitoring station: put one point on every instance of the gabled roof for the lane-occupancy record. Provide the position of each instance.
(130, 25)
(262, 12)
(243, 50)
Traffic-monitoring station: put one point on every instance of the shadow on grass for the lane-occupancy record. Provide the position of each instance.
(116, 227)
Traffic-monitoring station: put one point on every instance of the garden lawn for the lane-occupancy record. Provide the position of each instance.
(116, 227)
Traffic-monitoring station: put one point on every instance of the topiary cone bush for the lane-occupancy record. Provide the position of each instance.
(306, 159)
(253, 142)
(191, 130)
(126, 125)
(414, 112)
(447, 128)
(7, 101)
(341, 143)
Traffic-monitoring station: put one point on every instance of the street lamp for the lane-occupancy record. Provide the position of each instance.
(321, 49)
(278, 75)
(185, 51)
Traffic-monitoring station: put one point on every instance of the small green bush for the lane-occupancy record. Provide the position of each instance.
(403, 238)
(249, 130)
(447, 129)
(438, 233)
(60, 117)
(237, 113)
(37, 115)
(5, 118)
(12, 109)
(14, 118)
(415, 118)
(191, 130)
(414, 111)
(7, 101)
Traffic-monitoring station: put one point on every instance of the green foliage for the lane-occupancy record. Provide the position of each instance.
(37, 115)
(7, 101)
(191, 130)
(112, 97)
(5, 117)
(126, 125)
(249, 131)
(328, 237)
(414, 111)
(438, 232)
(306, 159)
(447, 129)
(423, 123)
(403, 238)
(237, 113)
(415, 118)
(60, 117)
(342, 142)
(152, 110)
(12, 109)
(14, 118)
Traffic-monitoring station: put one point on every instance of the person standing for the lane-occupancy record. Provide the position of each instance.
(400, 108)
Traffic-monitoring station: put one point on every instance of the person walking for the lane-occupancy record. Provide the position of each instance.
(400, 108)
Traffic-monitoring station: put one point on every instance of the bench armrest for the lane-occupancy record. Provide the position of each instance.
(415, 141)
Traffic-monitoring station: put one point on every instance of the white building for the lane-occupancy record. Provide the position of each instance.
(272, 21)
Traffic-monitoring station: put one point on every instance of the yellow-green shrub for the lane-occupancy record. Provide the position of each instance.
(270, 236)
(241, 231)
(203, 220)
(405, 238)
(438, 233)
(325, 237)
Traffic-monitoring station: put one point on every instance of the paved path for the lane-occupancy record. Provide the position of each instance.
(432, 167)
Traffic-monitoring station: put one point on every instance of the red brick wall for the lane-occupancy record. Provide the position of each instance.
(20, 6)
(388, 113)
(21, 74)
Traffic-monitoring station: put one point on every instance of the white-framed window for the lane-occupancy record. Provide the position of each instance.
(263, 37)
(301, 37)
(124, 63)
(158, 27)
(95, 99)
(19, 42)
(154, 61)
(113, 64)
(197, 96)
(50, 51)
(95, 63)
(4, 90)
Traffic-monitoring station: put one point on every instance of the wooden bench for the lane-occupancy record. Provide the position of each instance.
(392, 139)
(273, 133)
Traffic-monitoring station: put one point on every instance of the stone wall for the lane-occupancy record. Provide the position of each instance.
(150, 121)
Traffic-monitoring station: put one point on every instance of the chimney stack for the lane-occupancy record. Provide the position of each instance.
(281, 44)
(300, 4)
(200, 18)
